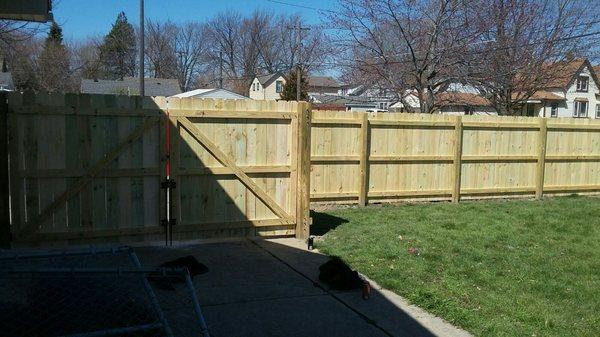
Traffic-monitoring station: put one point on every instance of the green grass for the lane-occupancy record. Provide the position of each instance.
(494, 268)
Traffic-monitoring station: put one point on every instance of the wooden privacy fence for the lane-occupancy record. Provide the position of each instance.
(362, 157)
(90, 167)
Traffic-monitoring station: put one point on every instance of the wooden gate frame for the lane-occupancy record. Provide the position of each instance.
(299, 171)
(29, 229)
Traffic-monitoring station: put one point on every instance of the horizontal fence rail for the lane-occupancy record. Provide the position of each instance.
(362, 157)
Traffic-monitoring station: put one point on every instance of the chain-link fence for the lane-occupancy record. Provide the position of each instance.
(95, 293)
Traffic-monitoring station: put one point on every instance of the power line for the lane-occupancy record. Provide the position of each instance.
(302, 6)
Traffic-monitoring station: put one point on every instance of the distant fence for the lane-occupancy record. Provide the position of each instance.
(362, 157)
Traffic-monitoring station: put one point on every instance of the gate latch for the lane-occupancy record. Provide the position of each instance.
(168, 183)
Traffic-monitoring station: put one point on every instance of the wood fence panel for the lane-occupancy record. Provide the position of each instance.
(418, 156)
(232, 156)
(572, 156)
(84, 166)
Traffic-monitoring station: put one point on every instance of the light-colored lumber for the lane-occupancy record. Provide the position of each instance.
(541, 164)
(364, 161)
(229, 162)
(457, 163)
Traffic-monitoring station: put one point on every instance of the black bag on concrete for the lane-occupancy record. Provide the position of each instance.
(339, 276)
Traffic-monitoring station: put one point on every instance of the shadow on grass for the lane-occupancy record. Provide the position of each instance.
(323, 223)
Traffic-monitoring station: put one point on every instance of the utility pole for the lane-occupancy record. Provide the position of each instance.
(220, 69)
(142, 93)
(299, 30)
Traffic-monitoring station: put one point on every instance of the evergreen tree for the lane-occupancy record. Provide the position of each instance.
(53, 62)
(118, 50)
(289, 88)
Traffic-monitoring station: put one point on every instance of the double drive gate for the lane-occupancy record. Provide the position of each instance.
(102, 167)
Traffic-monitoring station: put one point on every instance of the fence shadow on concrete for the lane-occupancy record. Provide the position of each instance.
(271, 288)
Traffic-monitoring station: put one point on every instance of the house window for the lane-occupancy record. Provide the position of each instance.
(278, 86)
(580, 109)
(597, 110)
(468, 111)
(582, 83)
(554, 110)
(253, 86)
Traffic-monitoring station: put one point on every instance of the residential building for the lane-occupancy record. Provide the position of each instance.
(572, 91)
(372, 98)
(322, 85)
(6, 82)
(463, 103)
(131, 86)
(211, 93)
(267, 87)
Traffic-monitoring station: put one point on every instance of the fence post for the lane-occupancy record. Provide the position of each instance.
(303, 171)
(541, 161)
(458, 137)
(5, 236)
(364, 160)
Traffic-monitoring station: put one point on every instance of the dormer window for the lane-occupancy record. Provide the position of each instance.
(582, 83)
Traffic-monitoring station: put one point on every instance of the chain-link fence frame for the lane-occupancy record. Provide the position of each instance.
(63, 280)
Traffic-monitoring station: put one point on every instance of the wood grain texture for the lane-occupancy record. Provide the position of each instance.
(415, 156)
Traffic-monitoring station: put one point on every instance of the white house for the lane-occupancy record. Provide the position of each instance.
(211, 93)
(6, 82)
(267, 87)
(573, 91)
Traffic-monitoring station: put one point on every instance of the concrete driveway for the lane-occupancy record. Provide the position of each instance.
(270, 288)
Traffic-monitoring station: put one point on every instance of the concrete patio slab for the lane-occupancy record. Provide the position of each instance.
(271, 288)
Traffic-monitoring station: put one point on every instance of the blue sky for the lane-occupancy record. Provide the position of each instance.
(81, 18)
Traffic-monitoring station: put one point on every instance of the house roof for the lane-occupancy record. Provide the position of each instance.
(6, 80)
(211, 93)
(323, 81)
(562, 74)
(266, 80)
(461, 98)
(540, 95)
(130, 86)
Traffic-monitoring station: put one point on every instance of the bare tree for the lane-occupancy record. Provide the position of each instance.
(190, 48)
(528, 44)
(160, 48)
(404, 45)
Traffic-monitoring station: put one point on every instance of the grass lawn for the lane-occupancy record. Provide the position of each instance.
(494, 268)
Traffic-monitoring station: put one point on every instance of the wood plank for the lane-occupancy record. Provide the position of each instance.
(229, 162)
(303, 201)
(498, 190)
(409, 193)
(5, 236)
(411, 123)
(578, 127)
(197, 113)
(499, 158)
(571, 188)
(364, 160)
(256, 170)
(86, 110)
(412, 158)
(457, 164)
(334, 159)
(541, 165)
(97, 167)
(337, 121)
(499, 125)
(567, 158)
(78, 172)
